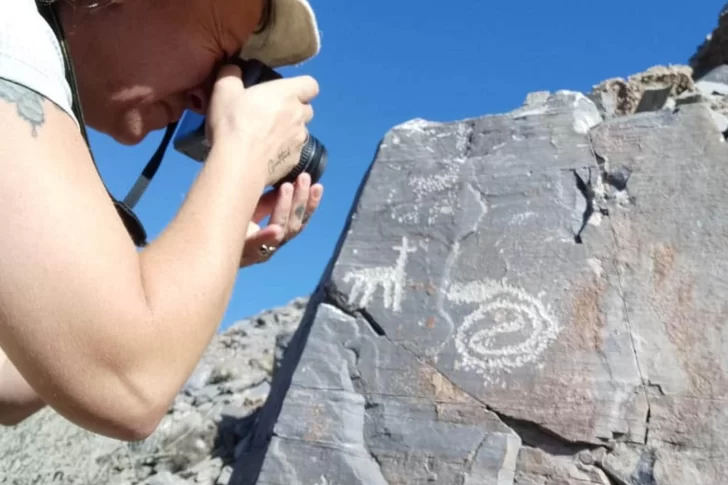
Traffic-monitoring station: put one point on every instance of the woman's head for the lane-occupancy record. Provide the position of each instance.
(140, 63)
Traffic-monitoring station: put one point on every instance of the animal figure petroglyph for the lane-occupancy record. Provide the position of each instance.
(390, 278)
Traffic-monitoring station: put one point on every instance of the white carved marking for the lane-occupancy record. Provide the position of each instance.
(390, 278)
(508, 329)
(520, 219)
(390, 196)
(443, 183)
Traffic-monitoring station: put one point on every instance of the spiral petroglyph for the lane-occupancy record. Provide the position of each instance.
(509, 328)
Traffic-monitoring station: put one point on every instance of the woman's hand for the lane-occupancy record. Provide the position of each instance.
(270, 118)
(290, 208)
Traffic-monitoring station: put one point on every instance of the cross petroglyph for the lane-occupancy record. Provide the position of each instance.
(390, 278)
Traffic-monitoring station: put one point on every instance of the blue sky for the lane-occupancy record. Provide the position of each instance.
(384, 62)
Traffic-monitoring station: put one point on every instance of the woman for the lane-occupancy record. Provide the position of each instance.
(103, 332)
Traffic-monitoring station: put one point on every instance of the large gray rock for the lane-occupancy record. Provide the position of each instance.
(194, 444)
(531, 298)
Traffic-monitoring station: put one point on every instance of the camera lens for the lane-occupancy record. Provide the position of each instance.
(313, 161)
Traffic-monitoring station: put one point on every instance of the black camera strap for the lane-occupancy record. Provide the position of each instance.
(135, 228)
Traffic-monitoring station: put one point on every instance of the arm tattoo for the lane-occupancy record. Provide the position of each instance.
(29, 103)
(274, 163)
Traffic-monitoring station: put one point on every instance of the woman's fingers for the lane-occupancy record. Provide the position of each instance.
(298, 206)
(266, 204)
(282, 210)
(293, 207)
(260, 244)
(306, 200)
(314, 199)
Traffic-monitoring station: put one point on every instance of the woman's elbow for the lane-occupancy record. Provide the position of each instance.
(144, 404)
(133, 413)
(124, 421)
(138, 429)
(125, 425)
(117, 413)
(124, 412)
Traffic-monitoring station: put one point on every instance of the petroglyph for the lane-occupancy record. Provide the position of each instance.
(443, 183)
(522, 218)
(390, 278)
(508, 329)
(450, 262)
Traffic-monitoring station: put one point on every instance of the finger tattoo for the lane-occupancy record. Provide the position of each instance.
(299, 212)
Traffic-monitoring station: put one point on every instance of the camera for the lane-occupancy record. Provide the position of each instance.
(191, 141)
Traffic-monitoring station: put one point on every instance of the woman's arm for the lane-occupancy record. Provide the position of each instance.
(17, 399)
(105, 334)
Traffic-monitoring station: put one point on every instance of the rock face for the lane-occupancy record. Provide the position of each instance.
(194, 444)
(530, 298)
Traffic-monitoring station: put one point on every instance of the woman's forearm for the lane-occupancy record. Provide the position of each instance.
(188, 273)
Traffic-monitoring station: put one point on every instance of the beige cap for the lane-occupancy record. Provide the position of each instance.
(290, 37)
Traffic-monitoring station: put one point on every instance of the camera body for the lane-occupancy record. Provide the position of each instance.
(191, 141)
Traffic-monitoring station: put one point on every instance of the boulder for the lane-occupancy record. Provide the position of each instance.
(528, 298)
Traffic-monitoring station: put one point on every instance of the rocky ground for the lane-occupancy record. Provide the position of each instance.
(195, 442)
